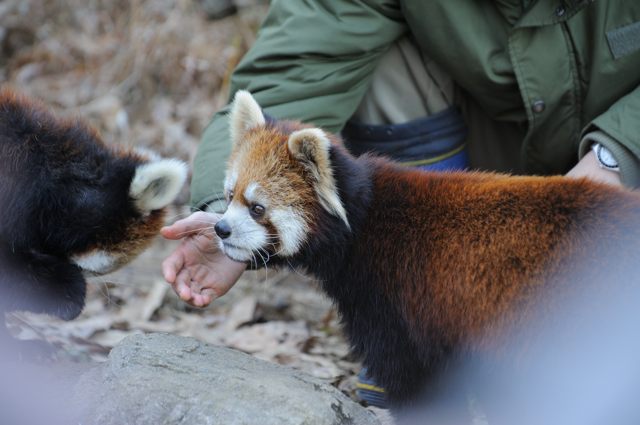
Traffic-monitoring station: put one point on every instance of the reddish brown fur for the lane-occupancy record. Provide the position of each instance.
(138, 236)
(439, 264)
(505, 235)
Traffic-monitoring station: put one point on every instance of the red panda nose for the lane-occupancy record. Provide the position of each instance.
(222, 229)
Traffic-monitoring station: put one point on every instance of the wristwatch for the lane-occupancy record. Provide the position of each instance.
(605, 158)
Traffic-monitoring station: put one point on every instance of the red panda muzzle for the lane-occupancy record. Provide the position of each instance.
(222, 229)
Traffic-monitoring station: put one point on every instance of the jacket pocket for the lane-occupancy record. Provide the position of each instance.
(624, 41)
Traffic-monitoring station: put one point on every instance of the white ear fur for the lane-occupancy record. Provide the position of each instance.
(245, 115)
(311, 147)
(156, 184)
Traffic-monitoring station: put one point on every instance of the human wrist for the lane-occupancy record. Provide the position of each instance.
(588, 167)
(629, 164)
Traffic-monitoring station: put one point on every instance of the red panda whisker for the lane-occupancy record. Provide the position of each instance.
(276, 252)
(254, 231)
(204, 222)
(199, 231)
(255, 260)
(295, 270)
(262, 258)
(208, 224)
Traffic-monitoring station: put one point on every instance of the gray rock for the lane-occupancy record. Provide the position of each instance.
(168, 380)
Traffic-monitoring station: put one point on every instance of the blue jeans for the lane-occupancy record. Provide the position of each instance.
(436, 142)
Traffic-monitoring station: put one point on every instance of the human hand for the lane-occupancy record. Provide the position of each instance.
(588, 167)
(198, 271)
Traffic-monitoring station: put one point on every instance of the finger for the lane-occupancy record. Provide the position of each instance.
(197, 300)
(200, 291)
(182, 286)
(171, 265)
(195, 223)
(201, 300)
(208, 295)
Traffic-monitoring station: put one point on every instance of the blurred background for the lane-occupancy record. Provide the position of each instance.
(151, 74)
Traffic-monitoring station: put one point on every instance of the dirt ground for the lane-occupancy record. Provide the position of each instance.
(152, 73)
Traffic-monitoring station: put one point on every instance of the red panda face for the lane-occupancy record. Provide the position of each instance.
(138, 212)
(268, 200)
(71, 196)
(278, 176)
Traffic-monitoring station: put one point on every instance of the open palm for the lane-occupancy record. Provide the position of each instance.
(197, 270)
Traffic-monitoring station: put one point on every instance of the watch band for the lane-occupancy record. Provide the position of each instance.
(605, 158)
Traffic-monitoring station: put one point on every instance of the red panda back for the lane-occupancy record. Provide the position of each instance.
(475, 254)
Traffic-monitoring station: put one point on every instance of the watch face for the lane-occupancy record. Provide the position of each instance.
(605, 157)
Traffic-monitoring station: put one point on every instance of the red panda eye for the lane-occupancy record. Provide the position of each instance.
(257, 210)
(230, 195)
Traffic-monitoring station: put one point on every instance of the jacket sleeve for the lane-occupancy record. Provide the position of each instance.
(619, 130)
(312, 61)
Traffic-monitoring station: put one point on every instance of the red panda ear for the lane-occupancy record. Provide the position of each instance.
(311, 147)
(156, 184)
(245, 115)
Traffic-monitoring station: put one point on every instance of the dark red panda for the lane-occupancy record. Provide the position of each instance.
(424, 267)
(70, 206)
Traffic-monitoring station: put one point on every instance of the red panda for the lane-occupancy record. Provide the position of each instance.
(423, 267)
(70, 206)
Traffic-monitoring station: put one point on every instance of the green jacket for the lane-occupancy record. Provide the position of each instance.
(580, 59)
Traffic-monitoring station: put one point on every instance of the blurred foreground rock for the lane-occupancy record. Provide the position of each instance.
(164, 379)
